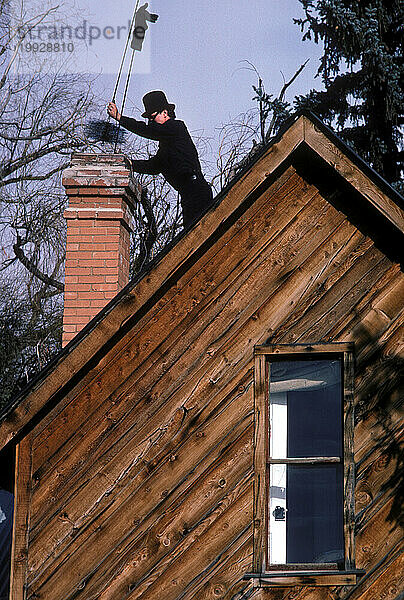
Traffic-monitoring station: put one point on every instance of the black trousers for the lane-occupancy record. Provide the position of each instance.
(196, 196)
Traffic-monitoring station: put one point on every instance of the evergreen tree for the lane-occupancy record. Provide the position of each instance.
(362, 71)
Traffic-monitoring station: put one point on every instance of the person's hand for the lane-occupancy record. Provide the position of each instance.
(112, 110)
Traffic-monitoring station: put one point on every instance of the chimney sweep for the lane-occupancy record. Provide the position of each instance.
(176, 158)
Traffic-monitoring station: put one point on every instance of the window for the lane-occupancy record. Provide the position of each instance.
(6, 528)
(7, 466)
(303, 504)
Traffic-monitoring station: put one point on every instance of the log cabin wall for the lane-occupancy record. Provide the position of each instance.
(139, 482)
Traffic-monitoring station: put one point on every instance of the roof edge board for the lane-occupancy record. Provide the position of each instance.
(324, 147)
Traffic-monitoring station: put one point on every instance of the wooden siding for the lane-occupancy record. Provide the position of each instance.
(142, 476)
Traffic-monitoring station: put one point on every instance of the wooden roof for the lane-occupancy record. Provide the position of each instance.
(309, 146)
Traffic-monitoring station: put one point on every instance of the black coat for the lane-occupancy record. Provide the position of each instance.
(176, 158)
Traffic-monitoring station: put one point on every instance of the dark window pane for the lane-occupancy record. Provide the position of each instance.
(314, 501)
(6, 528)
(307, 397)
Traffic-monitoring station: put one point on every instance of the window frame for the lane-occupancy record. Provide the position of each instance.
(297, 574)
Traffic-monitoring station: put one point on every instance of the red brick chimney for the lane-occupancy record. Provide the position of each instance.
(102, 196)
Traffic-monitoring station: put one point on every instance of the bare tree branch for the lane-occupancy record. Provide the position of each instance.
(281, 97)
(33, 269)
(289, 83)
(45, 177)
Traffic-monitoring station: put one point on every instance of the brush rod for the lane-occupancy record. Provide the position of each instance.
(124, 95)
(124, 53)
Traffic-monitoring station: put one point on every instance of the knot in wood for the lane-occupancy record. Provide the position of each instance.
(381, 463)
(22, 555)
(363, 497)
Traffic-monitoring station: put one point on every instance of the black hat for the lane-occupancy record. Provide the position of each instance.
(155, 102)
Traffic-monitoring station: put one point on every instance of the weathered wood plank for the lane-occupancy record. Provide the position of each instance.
(375, 470)
(132, 559)
(383, 498)
(376, 538)
(260, 464)
(148, 492)
(385, 580)
(193, 411)
(387, 295)
(371, 435)
(224, 579)
(232, 521)
(349, 466)
(335, 303)
(372, 318)
(308, 580)
(275, 348)
(205, 535)
(339, 261)
(293, 593)
(376, 336)
(379, 294)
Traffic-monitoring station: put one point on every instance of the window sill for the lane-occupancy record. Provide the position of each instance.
(311, 578)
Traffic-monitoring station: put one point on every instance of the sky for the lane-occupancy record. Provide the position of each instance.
(194, 52)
